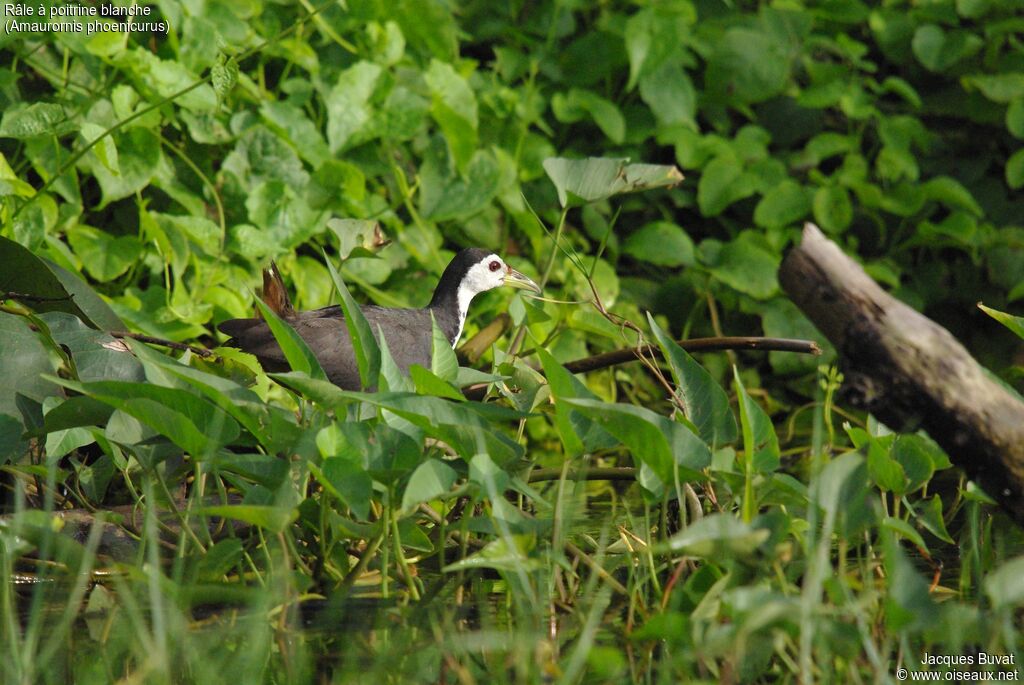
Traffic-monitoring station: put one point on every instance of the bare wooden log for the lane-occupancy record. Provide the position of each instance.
(909, 371)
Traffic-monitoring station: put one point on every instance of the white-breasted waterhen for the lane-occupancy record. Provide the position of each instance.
(408, 332)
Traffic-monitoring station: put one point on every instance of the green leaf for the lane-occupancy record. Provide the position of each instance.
(578, 104)
(1015, 117)
(507, 553)
(10, 184)
(138, 159)
(348, 481)
(580, 181)
(348, 104)
(430, 480)
(930, 516)
(454, 109)
(104, 256)
(705, 403)
(832, 208)
(784, 204)
(760, 444)
(905, 530)
(1002, 88)
(295, 349)
(1005, 585)
(1014, 323)
(24, 361)
(105, 150)
(914, 454)
(951, 193)
(443, 361)
(747, 65)
(717, 537)
(670, 94)
(364, 345)
(41, 118)
(656, 441)
(24, 272)
(270, 518)
(662, 243)
(428, 383)
(938, 50)
(189, 421)
(1015, 169)
(722, 183)
(223, 77)
(746, 266)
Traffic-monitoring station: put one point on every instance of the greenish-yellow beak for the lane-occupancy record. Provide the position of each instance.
(514, 279)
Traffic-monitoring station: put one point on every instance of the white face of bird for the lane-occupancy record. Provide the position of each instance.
(489, 273)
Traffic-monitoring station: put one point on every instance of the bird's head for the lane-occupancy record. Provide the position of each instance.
(487, 271)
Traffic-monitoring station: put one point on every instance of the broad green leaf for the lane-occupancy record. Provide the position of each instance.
(1005, 585)
(1015, 117)
(656, 441)
(105, 150)
(832, 208)
(10, 184)
(138, 159)
(905, 530)
(705, 402)
(428, 383)
(718, 536)
(784, 204)
(746, 266)
(348, 481)
(348, 104)
(1002, 88)
(579, 181)
(1015, 169)
(577, 104)
(578, 433)
(104, 256)
(914, 454)
(23, 362)
(364, 345)
(295, 349)
(223, 77)
(430, 480)
(760, 444)
(722, 183)
(662, 243)
(36, 222)
(747, 65)
(938, 50)
(447, 194)
(189, 421)
(930, 516)
(443, 361)
(24, 272)
(41, 118)
(503, 554)
(951, 193)
(270, 518)
(670, 94)
(1014, 323)
(454, 109)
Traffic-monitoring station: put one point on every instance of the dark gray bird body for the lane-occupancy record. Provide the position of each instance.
(408, 332)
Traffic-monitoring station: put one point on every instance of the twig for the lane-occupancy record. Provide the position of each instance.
(25, 297)
(202, 352)
(599, 473)
(630, 354)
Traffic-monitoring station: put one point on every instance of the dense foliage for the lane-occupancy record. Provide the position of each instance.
(281, 530)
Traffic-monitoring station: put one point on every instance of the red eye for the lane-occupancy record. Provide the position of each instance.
(494, 266)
